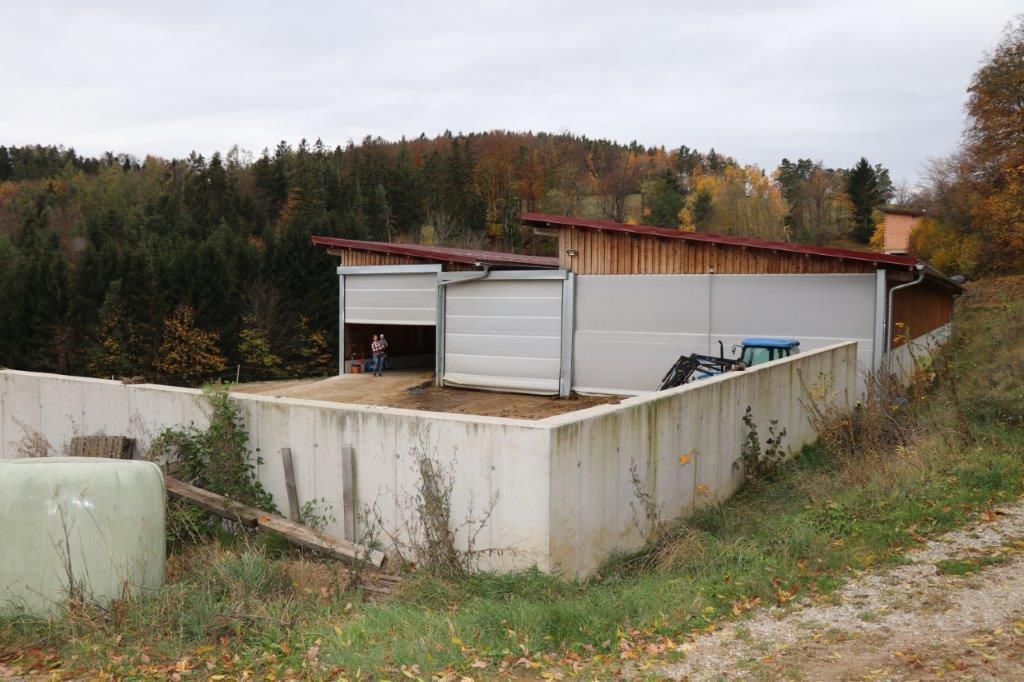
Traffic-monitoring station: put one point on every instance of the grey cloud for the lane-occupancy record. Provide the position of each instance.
(760, 81)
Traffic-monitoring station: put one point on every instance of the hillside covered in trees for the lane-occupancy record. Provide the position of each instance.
(182, 269)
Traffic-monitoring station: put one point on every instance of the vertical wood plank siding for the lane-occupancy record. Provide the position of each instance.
(354, 258)
(919, 310)
(618, 253)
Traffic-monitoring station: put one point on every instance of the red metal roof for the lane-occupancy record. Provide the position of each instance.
(441, 253)
(884, 259)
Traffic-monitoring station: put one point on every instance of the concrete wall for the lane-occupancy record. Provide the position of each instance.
(905, 358)
(562, 485)
(686, 444)
(486, 456)
(631, 328)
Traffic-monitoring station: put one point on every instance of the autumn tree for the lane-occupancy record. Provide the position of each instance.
(618, 177)
(995, 148)
(819, 207)
(313, 356)
(742, 200)
(188, 352)
(975, 196)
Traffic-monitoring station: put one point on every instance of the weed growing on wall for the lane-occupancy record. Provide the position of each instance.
(762, 464)
(215, 458)
(647, 504)
(429, 536)
(317, 514)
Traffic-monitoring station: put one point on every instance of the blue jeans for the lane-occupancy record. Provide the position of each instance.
(378, 364)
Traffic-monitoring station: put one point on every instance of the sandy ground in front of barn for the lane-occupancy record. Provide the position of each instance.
(935, 617)
(414, 390)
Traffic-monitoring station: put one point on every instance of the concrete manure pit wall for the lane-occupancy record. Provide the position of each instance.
(561, 487)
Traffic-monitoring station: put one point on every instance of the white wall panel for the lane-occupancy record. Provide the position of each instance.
(504, 334)
(817, 310)
(406, 298)
(631, 328)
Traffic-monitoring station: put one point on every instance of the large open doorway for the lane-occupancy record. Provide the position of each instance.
(409, 346)
(399, 301)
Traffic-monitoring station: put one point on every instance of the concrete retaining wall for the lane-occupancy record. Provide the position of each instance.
(487, 457)
(684, 444)
(904, 359)
(562, 489)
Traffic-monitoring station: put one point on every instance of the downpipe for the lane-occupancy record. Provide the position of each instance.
(480, 275)
(888, 313)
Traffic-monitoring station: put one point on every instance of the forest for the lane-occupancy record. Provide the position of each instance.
(186, 270)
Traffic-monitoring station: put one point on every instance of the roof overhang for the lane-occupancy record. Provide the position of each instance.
(440, 254)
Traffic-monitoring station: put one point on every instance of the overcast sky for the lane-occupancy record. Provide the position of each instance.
(756, 80)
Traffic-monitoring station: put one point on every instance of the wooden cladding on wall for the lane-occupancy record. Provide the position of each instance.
(356, 258)
(616, 253)
(918, 310)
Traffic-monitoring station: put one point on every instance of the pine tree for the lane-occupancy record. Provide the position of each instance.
(663, 199)
(865, 195)
(701, 208)
(117, 349)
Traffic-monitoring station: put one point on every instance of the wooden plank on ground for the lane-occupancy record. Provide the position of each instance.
(318, 542)
(212, 502)
(289, 484)
(293, 532)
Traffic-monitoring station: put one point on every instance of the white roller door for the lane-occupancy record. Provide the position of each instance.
(504, 334)
(402, 298)
(631, 328)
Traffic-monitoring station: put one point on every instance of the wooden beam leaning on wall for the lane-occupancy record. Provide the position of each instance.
(293, 532)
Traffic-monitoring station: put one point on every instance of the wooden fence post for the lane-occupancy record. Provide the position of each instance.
(289, 482)
(347, 496)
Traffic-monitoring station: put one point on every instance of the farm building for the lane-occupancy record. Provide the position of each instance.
(897, 224)
(620, 303)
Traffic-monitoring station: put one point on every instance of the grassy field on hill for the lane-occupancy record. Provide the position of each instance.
(931, 460)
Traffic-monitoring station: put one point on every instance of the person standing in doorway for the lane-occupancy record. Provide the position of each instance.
(383, 353)
(377, 348)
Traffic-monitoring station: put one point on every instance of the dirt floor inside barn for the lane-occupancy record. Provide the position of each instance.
(415, 390)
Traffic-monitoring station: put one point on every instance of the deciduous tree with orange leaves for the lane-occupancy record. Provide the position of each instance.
(977, 195)
(188, 352)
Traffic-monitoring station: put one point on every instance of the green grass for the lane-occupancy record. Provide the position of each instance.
(236, 608)
(968, 566)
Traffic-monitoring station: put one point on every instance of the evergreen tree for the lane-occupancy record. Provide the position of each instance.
(701, 208)
(664, 200)
(118, 347)
(866, 195)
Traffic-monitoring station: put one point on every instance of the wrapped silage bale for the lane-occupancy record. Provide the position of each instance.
(88, 528)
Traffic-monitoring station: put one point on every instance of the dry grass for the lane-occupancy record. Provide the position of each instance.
(873, 488)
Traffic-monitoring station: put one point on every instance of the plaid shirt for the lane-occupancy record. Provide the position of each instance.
(377, 347)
